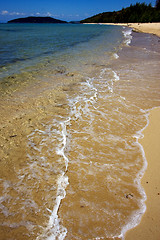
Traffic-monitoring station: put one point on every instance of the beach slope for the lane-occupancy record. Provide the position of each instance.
(149, 226)
(153, 28)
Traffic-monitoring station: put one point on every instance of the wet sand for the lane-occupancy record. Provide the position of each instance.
(153, 28)
(21, 113)
(25, 117)
(149, 226)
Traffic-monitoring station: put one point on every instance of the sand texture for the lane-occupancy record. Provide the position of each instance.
(153, 28)
(87, 116)
(149, 226)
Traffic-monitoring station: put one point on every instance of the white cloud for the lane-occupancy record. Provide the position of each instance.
(8, 15)
(4, 12)
(17, 14)
(48, 14)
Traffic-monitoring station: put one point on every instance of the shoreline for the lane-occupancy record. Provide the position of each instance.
(148, 228)
(152, 28)
(29, 117)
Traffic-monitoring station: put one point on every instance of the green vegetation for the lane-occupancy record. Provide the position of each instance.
(140, 12)
(158, 4)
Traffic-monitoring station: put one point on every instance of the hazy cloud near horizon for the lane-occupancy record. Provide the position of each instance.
(5, 12)
(67, 10)
(6, 15)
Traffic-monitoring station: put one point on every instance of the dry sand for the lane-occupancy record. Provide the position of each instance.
(153, 28)
(149, 228)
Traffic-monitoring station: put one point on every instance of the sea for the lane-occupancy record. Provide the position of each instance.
(74, 100)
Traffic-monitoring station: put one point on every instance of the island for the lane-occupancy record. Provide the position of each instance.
(36, 20)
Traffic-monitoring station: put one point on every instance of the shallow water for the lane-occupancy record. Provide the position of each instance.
(71, 166)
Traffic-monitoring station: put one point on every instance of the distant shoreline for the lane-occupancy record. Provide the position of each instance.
(152, 28)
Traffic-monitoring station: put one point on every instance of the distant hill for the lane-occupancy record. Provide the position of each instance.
(36, 20)
(74, 22)
(140, 12)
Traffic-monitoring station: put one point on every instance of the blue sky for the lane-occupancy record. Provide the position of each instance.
(61, 9)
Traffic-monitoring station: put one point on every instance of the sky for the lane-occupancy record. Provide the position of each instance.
(67, 10)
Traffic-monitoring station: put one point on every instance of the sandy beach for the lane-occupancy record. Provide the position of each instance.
(149, 226)
(153, 28)
(70, 125)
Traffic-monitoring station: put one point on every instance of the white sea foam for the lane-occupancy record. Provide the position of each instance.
(108, 81)
(127, 34)
(137, 215)
(102, 72)
(57, 130)
(80, 107)
(54, 229)
(83, 107)
(116, 77)
(115, 55)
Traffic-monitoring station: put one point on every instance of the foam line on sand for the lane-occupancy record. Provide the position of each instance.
(149, 228)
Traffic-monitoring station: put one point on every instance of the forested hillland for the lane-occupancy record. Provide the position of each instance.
(138, 13)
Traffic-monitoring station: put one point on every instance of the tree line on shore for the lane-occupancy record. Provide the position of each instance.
(140, 12)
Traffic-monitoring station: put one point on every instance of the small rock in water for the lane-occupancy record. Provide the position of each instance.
(129, 195)
(13, 136)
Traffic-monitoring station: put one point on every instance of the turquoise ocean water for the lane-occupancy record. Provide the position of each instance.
(74, 101)
(25, 45)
